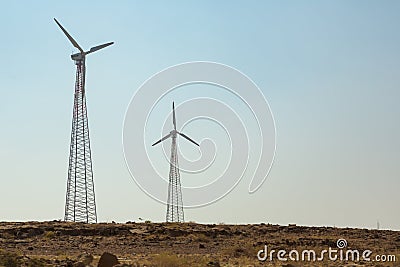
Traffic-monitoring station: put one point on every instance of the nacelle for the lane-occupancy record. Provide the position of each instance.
(78, 57)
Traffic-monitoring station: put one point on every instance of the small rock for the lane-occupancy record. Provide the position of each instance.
(202, 246)
(108, 260)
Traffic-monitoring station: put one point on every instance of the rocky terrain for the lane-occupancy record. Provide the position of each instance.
(187, 244)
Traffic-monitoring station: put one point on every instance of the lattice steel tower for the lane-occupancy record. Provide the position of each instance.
(174, 202)
(80, 204)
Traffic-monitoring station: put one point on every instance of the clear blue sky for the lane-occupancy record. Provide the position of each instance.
(329, 69)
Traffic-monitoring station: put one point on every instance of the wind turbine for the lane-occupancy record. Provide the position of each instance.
(175, 203)
(80, 204)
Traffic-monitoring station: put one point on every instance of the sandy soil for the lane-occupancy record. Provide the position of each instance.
(186, 244)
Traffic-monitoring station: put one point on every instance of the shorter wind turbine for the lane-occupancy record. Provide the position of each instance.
(175, 203)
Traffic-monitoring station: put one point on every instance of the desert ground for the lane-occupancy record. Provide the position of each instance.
(185, 244)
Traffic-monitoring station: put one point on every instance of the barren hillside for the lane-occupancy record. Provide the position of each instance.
(189, 244)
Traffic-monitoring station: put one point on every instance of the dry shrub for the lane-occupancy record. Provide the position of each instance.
(167, 260)
(199, 237)
(49, 235)
(8, 259)
(241, 250)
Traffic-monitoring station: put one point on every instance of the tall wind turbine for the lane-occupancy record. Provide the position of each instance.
(175, 203)
(80, 205)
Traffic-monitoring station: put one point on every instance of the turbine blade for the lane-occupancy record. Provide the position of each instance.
(173, 115)
(95, 48)
(74, 43)
(187, 137)
(162, 139)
